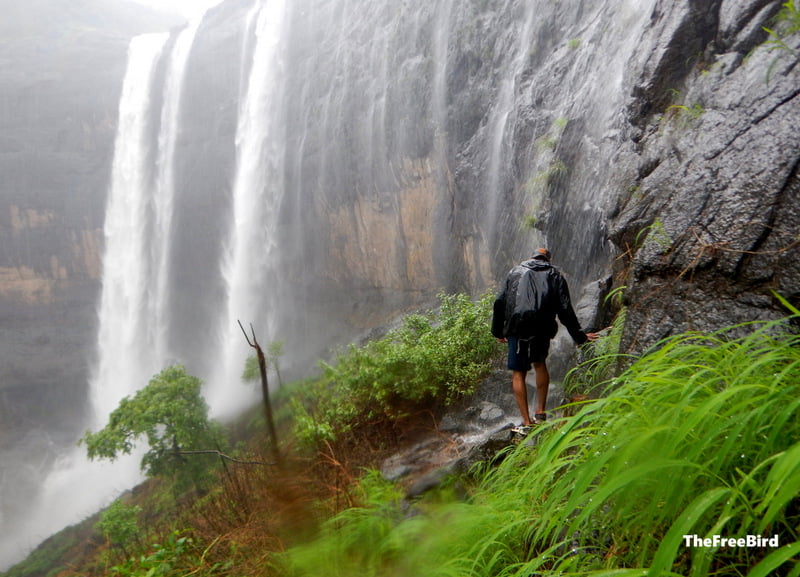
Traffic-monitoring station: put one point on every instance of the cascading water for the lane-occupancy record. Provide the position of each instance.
(582, 88)
(65, 495)
(402, 142)
(133, 309)
(248, 268)
(501, 124)
(131, 345)
(126, 349)
(489, 101)
(164, 198)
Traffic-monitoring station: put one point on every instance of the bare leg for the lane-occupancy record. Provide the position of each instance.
(542, 386)
(521, 394)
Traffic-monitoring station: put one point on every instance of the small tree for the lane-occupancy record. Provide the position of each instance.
(119, 524)
(274, 353)
(173, 416)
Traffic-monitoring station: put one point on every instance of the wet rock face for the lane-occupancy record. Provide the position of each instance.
(710, 225)
(61, 70)
(56, 144)
(428, 145)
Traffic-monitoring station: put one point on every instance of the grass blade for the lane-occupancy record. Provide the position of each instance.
(774, 560)
(665, 555)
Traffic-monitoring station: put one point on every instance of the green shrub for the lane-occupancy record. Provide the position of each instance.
(436, 357)
(178, 556)
(171, 414)
(119, 523)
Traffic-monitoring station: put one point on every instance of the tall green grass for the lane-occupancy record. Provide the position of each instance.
(700, 436)
(599, 362)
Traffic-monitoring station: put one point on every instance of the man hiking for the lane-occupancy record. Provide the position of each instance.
(525, 311)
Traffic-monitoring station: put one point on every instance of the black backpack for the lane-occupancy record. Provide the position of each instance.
(526, 310)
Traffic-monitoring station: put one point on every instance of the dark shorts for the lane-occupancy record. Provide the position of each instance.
(523, 353)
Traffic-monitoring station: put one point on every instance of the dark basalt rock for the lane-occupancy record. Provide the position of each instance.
(712, 228)
(427, 147)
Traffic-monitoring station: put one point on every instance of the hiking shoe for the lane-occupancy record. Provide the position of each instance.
(521, 429)
(539, 418)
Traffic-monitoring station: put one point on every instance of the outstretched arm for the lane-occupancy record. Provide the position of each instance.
(567, 316)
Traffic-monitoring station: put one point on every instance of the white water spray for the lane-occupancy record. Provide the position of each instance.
(131, 343)
(501, 123)
(126, 355)
(248, 266)
(77, 487)
(164, 199)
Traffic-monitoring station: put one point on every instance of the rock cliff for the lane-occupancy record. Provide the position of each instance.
(423, 146)
(709, 226)
(426, 148)
(61, 69)
(60, 77)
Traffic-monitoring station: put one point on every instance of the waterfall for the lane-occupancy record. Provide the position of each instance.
(164, 198)
(76, 487)
(127, 357)
(133, 308)
(132, 341)
(583, 127)
(248, 268)
(501, 124)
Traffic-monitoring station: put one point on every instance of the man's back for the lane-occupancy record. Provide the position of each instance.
(529, 309)
(535, 292)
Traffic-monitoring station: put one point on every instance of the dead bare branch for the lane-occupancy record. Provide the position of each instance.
(223, 456)
(262, 366)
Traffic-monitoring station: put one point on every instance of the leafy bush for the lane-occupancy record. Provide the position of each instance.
(700, 437)
(119, 524)
(178, 556)
(436, 357)
(172, 415)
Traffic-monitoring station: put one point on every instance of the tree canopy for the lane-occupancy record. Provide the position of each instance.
(170, 413)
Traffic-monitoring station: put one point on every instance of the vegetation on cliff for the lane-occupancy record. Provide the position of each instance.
(172, 415)
(432, 359)
(699, 437)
